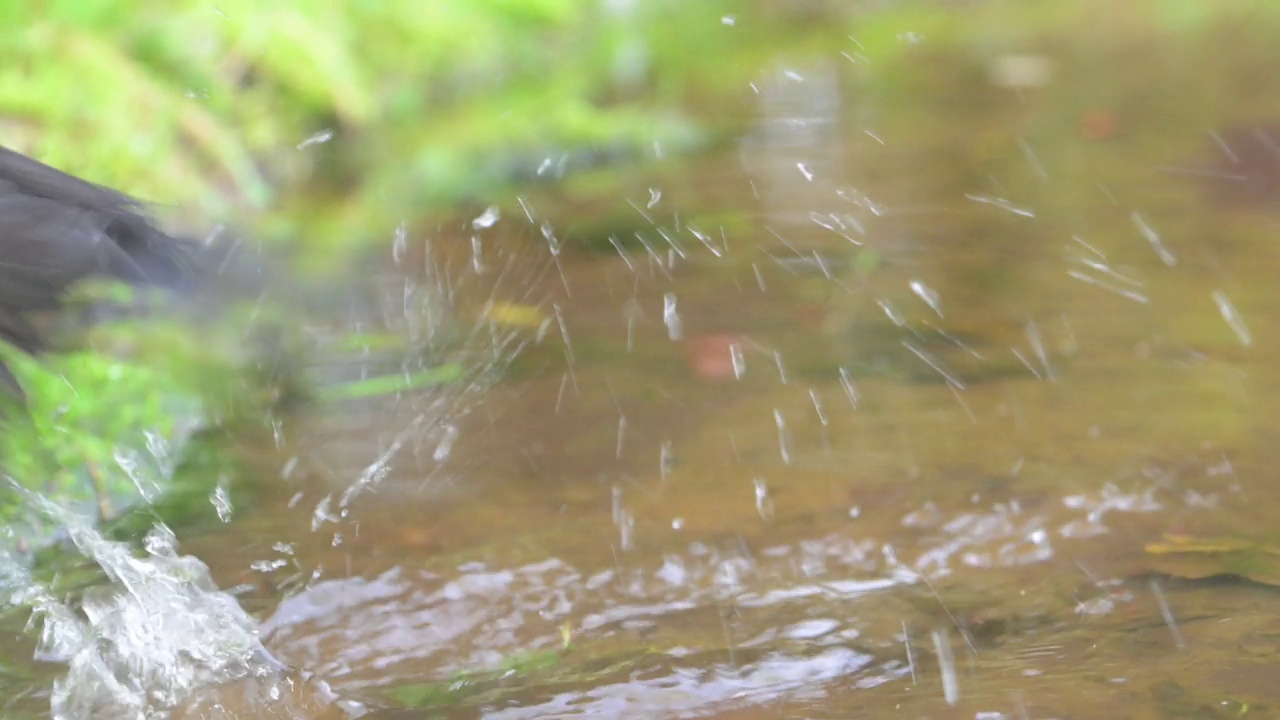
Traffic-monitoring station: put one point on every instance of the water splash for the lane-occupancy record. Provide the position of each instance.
(487, 219)
(146, 639)
(221, 500)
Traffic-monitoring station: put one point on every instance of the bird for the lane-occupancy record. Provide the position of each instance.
(57, 230)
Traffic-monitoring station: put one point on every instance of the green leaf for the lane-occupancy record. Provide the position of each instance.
(389, 384)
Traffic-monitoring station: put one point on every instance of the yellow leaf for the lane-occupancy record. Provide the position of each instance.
(517, 315)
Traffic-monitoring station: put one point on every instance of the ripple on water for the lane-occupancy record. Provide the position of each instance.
(706, 627)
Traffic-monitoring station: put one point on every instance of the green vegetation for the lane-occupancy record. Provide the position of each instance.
(103, 428)
(331, 123)
(355, 113)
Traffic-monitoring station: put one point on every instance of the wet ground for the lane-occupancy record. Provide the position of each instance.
(940, 395)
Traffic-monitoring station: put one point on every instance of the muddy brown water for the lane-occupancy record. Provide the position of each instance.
(894, 419)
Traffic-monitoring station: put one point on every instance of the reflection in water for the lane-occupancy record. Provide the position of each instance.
(796, 161)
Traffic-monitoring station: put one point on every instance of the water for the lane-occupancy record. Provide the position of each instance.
(149, 636)
(944, 397)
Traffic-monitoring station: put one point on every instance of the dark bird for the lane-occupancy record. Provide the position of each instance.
(57, 230)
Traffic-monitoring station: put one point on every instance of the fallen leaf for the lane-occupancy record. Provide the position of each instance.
(711, 356)
(517, 315)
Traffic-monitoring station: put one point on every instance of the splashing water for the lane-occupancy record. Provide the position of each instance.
(143, 642)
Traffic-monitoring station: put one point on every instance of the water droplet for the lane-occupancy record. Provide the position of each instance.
(626, 528)
(784, 440)
(322, 514)
(892, 313)
(319, 138)
(445, 446)
(486, 219)
(764, 506)
(947, 667)
(221, 500)
(671, 317)
(477, 256)
(1233, 318)
(928, 295)
(549, 234)
(1154, 239)
(817, 406)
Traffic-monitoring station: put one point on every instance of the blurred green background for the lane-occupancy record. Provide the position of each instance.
(349, 114)
(326, 124)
